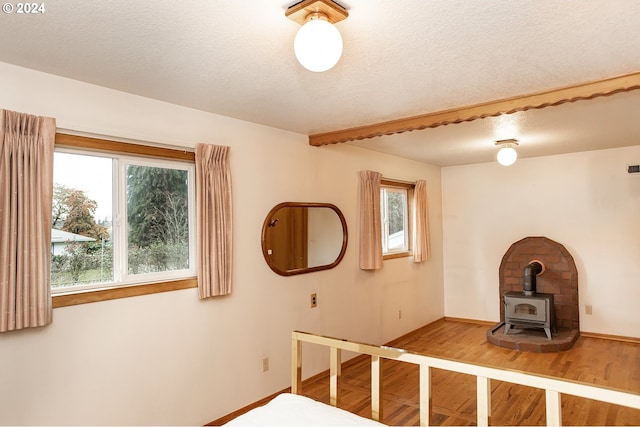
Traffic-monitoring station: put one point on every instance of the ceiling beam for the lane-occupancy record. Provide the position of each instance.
(548, 98)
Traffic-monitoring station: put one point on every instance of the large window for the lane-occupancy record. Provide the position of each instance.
(120, 220)
(394, 208)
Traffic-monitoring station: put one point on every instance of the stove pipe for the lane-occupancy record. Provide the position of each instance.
(530, 272)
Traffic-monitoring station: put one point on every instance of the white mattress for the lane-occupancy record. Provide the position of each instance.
(294, 410)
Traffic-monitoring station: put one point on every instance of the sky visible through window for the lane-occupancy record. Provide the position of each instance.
(90, 174)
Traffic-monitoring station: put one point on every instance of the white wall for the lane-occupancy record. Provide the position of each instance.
(169, 358)
(585, 201)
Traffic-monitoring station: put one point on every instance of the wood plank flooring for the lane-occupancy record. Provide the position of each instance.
(591, 360)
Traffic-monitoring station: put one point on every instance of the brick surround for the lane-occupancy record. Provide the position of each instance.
(559, 277)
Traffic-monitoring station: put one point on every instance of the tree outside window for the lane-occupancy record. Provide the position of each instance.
(152, 236)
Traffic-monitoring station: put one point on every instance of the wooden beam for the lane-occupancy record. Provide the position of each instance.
(537, 100)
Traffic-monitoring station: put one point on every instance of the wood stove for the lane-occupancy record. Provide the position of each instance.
(529, 309)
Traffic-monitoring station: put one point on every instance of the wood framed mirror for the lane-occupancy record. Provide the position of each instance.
(299, 237)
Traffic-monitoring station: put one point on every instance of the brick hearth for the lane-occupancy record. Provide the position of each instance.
(560, 278)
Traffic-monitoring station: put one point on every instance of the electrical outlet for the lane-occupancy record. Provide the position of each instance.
(314, 300)
(265, 364)
(588, 309)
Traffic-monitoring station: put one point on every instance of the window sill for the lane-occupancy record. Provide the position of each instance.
(87, 296)
(396, 255)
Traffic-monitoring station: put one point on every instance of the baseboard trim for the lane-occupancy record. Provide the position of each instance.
(633, 340)
(234, 414)
(411, 333)
(474, 321)
(585, 334)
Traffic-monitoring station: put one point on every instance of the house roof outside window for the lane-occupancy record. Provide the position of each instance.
(59, 236)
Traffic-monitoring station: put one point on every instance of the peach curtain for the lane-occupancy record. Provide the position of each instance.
(370, 221)
(26, 193)
(213, 199)
(421, 239)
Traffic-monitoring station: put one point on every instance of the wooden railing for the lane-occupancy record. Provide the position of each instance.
(554, 388)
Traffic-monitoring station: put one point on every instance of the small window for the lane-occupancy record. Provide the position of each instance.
(120, 220)
(394, 208)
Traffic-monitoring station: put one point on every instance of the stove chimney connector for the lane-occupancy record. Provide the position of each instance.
(530, 272)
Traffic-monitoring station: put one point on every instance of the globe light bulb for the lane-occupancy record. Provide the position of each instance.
(318, 45)
(507, 156)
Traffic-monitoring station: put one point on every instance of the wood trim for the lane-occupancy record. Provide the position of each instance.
(396, 255)
(225, 419)
(473, 321)
(633, 340)
(265, 238)
(537, 100)
(108, 146)
(621, 338)
(95, 295)
(388, 182)
(411, 334)
(299, 12)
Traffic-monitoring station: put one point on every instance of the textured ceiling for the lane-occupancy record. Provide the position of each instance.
(401, 58)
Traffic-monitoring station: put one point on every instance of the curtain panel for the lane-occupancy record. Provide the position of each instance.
(370, 221)
(214, 215)
(421, 239)
(26, 194)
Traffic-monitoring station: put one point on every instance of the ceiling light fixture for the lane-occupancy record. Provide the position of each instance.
(507, 154)
(318, 43)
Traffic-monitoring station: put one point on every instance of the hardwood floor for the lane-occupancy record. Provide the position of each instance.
(591, 360)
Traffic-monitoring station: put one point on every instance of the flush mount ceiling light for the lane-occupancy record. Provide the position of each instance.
(507, 154)
(318, 43)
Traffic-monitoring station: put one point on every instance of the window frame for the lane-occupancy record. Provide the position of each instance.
(106, 147)
(409, 187)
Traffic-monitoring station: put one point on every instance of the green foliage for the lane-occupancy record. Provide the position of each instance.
(82, 264)
(158, 257)
(156, 206)
(157, 215)
(396, 206)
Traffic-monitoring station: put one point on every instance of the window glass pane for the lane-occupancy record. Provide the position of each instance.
(81, 243)
(397, 216)
(394, 213)
(157, 219)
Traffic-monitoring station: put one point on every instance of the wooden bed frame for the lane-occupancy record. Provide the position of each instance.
(554, 387)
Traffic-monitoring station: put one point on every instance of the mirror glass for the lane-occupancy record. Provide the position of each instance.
(303, 237)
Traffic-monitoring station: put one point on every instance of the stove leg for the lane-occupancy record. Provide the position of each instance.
(507, 326)
(548, 332)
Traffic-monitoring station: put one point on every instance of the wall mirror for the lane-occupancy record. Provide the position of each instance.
(303, 237)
